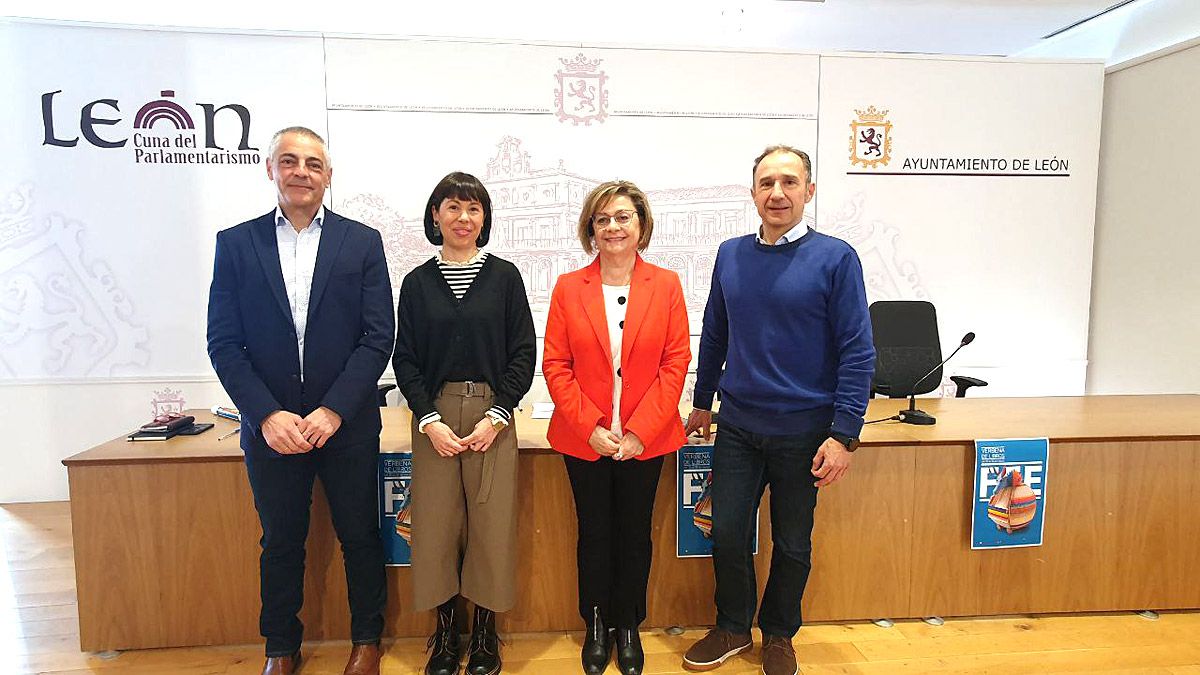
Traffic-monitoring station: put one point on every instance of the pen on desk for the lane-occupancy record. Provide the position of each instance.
(229, 434)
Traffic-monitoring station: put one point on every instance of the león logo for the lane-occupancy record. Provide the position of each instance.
(164, 132)
(580, 95)
(870, 138)
(163, 110)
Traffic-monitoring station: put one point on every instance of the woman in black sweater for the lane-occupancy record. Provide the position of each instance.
(465, 350)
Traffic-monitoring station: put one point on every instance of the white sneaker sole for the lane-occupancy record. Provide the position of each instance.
(713, 665)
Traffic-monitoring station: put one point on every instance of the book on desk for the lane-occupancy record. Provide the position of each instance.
(161, 431)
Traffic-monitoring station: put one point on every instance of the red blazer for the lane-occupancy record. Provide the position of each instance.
(655, 353)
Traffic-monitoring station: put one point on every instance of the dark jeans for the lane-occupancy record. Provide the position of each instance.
(744, 464)
(283, 496)
(614, 502)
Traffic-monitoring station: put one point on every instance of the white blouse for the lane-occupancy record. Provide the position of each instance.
(616, 301)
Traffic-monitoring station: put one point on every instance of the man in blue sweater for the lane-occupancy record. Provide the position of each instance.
(787, 318)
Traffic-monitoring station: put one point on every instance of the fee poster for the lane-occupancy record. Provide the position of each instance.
(1009, 501)
(693, 503)
(395, 523)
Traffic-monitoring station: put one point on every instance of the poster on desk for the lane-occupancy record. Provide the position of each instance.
(693, 503)
(1009, 501)
(395, 520)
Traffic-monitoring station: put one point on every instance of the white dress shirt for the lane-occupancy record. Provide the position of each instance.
(298, 260)
(793, 234)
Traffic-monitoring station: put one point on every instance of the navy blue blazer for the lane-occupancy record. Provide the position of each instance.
(347, 344)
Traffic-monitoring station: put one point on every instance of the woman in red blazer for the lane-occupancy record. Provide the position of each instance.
(616, 352)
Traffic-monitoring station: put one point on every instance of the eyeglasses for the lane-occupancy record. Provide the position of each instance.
(167, 417)
(622, 218)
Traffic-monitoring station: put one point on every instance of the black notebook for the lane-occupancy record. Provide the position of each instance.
(154, 435)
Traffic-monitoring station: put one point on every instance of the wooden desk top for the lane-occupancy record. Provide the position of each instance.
(962, 420)
(1061, 418)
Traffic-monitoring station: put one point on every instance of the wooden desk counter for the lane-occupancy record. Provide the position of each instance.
(166, 534)
(1061, 418)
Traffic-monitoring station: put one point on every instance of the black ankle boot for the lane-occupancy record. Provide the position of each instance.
(444, 642)
(630, 658)
(597, 646)
(483, 657)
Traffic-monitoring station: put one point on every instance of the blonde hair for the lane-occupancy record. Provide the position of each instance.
(601, 196)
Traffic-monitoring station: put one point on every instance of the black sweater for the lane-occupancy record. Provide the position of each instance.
(490, 331)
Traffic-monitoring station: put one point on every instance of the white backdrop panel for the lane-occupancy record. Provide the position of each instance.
(538, 173)
(1006, 256)
(105, 260)
(450, 76)
(684, 126)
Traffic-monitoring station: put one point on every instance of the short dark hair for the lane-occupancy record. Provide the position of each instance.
(772, 149)
(464, 186)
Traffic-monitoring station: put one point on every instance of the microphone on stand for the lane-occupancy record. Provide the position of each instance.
(914, 416)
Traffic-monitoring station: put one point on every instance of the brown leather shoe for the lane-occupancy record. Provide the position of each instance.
(778, 656)
(364, 660)
(712, 649)
(281, 665)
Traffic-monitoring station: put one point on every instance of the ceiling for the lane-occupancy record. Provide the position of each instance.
(967, 27)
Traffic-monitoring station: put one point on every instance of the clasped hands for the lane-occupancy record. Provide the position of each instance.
(448, 444)
(608, 444)
(290, 434)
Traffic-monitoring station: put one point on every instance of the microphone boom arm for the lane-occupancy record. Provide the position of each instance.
(920, 417)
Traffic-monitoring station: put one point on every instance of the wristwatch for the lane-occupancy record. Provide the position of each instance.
(498, 424)
(850, 442)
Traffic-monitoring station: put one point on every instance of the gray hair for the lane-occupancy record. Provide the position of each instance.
(300, 131)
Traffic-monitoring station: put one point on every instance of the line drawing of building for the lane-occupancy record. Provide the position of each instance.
(535, 214)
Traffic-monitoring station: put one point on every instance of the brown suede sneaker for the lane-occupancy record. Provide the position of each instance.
(778, 656)
(712, 649)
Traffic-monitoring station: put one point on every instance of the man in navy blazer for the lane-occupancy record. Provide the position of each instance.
(300, 327)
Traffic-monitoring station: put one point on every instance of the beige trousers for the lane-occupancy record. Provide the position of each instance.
(464, 509)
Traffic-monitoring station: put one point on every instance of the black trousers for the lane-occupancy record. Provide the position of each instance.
(282, 490)
(744, 464)
(614, 503)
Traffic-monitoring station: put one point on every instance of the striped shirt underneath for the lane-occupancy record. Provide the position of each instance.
(459, 276)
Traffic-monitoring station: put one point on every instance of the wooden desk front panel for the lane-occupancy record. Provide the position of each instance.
(166, 539)
(167, 555)
(892, 540)
(1119, 534)
(862, 538)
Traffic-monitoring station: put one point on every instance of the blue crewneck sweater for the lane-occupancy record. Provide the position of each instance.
(790, 325)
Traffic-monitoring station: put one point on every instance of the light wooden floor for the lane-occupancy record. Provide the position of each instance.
(39, 634)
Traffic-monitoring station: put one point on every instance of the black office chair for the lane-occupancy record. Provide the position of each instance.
(907, 347)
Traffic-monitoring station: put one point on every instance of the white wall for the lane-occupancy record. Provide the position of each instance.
(1125, 33)
(46, 422)
(1145, 325)
(1003, 251)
